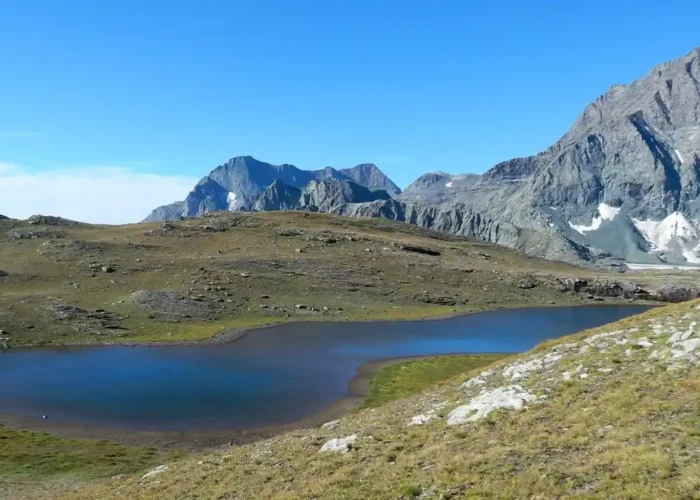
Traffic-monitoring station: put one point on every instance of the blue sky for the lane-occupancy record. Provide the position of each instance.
(167, 90)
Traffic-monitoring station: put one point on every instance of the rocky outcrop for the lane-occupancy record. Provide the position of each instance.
(625, 289)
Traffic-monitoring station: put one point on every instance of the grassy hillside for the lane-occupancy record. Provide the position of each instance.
(63, 282)
(613, 412)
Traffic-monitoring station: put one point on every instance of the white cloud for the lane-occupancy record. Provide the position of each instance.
(107, 195)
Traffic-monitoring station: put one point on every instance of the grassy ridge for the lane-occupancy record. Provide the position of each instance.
(239, 270)
(29, 459)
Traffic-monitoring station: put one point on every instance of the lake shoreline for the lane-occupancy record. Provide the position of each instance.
(228, 335)
(192, 440)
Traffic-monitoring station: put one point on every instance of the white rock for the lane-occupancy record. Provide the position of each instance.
(339, 445)
(330, 425)
(512, 396)
(473, 382)
(657, 354)
(518, 371)
(674, 338)
(566, 376)
(155, 472)
(645, 343)
(421, 419)
(686, 348)
(583, 375)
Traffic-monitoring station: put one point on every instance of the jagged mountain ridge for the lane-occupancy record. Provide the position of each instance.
(240, 182)
(622, 183)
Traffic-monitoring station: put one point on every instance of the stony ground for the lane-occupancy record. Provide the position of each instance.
(609, 413)
(63, 282)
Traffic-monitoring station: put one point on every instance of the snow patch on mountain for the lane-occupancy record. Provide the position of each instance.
(662, 234)
(680, 158)
(605, 212)
(693, 256)
(449, 184)
(231, 200)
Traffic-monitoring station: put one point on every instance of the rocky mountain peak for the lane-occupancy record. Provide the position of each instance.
(370, 176)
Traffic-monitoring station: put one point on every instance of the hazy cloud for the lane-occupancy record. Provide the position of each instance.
(109, 195)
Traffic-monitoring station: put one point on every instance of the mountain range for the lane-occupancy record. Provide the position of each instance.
(623, 184)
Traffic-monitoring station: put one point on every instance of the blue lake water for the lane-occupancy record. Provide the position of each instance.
(276, 375)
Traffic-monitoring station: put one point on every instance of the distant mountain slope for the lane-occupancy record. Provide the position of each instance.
(240, 182)
(438, 188)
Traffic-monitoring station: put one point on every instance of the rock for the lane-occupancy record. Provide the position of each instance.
(339, 445)
(675, 293)
(330, 425)
(645, 343)
(509, 397)
(421, 419)
(519, 371)
(158, 470)
(301, 306)
(526, 284)
(108, 269)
